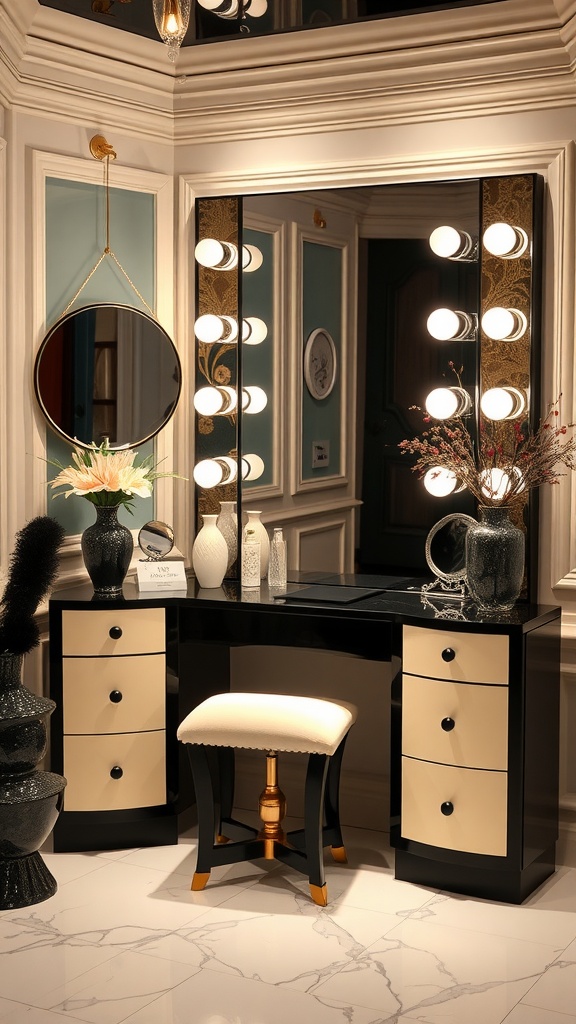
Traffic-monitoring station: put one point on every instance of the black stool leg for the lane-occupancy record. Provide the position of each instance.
(313, 825)
(208, 806)
(226, 770)
(332, 806)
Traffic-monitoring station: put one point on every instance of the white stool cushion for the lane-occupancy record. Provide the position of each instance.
(268, 721)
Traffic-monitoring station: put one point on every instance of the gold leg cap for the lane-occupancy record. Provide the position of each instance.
(319, 894)
(220, 840)
(199, 880)
(339, 854)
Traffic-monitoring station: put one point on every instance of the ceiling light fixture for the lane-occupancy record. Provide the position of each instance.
(172, 17)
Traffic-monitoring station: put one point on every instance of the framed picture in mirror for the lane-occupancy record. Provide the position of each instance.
(320, 363)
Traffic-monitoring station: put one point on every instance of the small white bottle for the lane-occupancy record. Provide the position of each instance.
(277, 566)
(250, 574)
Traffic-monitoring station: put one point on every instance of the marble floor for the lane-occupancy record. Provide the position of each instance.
(124, 940)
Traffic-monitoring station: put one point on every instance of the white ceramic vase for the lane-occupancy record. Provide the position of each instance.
(255, 523)
(227, 523)
(209, 554)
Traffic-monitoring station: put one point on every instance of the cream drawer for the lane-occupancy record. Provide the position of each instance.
(113, 631)
(477, 822)
(444, 654)
(103, 695)
(456, 723)
(89, 760)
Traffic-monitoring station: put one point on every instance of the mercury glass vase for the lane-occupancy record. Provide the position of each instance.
(107, 548)
(494, 559)
(227, 523)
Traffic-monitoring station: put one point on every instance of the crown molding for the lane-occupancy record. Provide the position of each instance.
(505, 57)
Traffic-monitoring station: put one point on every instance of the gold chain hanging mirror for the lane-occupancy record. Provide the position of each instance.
(107, 371)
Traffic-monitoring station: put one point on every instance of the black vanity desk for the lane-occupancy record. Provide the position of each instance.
(475, 699)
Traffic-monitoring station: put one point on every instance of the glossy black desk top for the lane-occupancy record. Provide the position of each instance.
(396, 600)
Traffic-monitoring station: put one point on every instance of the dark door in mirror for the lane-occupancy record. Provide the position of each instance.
(107, 372)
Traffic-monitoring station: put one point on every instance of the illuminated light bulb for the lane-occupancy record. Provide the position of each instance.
(210, 328)
(254, 399)
(440, 482)
(229, 10)
(252, 258)
(496, 483)
(504, 324)
(503, 403)
(444, 403)
(172, 18)
(252, 467)
(212, 472)
(504, 240)
(208, 473)
(451, 325)
(451, 244)
(254, 330)
(209, 252)
(215, 401)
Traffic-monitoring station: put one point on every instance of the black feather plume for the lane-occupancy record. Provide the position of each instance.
(32, 572)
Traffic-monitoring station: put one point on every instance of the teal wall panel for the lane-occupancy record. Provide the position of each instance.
(322, 307)
(75, 238)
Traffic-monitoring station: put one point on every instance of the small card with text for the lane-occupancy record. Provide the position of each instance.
(159, 575)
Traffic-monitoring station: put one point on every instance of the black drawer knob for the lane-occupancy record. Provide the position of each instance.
(448, 654)
(116, 772)
(115, 632)
(447, 807)
(446, 723)
(116, 697)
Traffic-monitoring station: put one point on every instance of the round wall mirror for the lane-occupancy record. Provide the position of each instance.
(107, 372)
(446, 547)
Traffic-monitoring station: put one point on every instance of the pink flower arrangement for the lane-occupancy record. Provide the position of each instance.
(106, 476)
(508, 459)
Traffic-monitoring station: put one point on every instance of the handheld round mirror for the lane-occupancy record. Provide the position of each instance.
(156, 539)
(107, 371)
(446, 547)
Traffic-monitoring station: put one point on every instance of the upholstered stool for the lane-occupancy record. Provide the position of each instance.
(270, 722)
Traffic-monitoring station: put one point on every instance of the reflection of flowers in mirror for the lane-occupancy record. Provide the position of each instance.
(107, 476)
(507, 458)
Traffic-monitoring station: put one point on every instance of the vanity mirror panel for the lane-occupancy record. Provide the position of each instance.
(394, 281)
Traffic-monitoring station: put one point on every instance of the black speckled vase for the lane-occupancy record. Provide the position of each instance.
(107, 548)
(30, 800)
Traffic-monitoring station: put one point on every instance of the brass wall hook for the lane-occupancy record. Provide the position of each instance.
(100, 148)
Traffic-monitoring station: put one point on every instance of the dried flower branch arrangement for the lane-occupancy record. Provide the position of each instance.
(508, 460)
